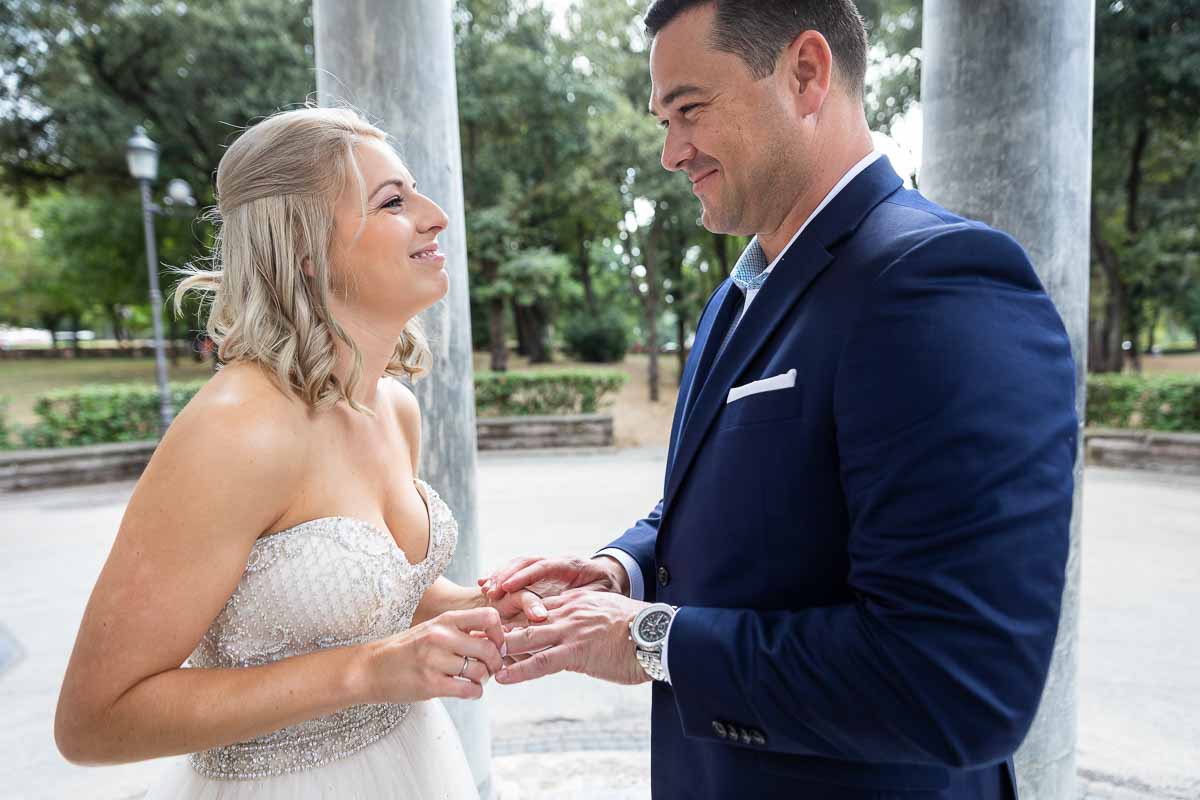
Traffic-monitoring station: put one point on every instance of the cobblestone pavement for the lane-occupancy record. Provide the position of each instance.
(570, 737)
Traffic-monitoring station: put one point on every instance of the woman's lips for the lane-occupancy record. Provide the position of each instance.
(430, 255)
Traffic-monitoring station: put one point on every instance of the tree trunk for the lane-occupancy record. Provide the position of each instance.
(50, 323)
(650, 305)
(585, 269)
(118, 324)
(537, 335)
(496, 327)
(522, 329)
(1111, 327)
(497, 334)
(76, 324)
(1134, 184)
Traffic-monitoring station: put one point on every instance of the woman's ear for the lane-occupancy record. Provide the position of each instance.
(310, 270)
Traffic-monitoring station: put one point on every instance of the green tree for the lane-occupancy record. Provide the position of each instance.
(34, 290)
(1145, 164)
(79, 76)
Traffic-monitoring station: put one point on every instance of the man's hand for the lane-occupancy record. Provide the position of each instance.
(551, 576)
(588, 632)
(522, 601)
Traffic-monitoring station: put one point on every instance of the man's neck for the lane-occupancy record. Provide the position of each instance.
(819, 187)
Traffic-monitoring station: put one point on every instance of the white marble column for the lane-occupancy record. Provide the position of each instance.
(394, 61)
(1007, 102)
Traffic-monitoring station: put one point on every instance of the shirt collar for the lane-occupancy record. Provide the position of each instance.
(850, 175)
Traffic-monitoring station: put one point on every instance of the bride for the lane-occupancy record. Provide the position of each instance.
(279, 541)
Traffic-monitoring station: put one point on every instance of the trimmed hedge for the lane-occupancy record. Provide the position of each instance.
(519, 394)
(101, 414)
(129, 412)
(1158, 403)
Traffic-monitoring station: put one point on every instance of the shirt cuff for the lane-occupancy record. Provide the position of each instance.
(637, 587)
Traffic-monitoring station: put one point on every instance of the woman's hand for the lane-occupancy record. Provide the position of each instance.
(451, 655)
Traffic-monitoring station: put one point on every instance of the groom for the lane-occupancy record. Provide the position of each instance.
(851, 586)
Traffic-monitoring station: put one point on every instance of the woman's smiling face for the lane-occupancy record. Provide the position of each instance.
(386, 259)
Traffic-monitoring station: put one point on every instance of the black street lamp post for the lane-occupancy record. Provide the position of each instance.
(142, 157)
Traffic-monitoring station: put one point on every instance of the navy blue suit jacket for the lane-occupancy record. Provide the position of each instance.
(869, 566)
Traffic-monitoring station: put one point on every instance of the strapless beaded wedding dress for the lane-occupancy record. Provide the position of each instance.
(329, 582)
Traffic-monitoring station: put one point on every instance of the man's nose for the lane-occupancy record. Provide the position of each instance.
(677, 151)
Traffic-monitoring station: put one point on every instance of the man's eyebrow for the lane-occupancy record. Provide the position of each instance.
(674, 95)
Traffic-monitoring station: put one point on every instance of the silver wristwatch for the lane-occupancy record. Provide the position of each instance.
(649, 633)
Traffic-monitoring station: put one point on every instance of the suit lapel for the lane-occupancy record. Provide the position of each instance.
(704, 349)
(803, 262)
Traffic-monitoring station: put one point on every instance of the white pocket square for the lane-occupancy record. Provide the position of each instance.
(785, 381)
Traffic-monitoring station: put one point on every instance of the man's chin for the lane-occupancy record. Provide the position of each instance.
(715, 222)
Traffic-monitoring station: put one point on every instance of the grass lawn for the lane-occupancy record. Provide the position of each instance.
(1175, 362)
(637, 421)
(22, 381)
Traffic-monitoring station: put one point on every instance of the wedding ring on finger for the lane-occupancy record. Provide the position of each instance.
(462, 673)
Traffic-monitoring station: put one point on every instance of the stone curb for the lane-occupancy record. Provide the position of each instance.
(1177, 453)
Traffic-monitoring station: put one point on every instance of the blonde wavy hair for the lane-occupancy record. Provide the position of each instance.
(277, 186)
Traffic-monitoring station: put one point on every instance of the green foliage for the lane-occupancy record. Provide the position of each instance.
(80, 75)
(101, 414)
(894, 28)
(1161, 403)
(548, 392)
(601, 338)
(77, 78)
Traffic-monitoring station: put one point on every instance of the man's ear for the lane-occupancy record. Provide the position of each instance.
(809, 71)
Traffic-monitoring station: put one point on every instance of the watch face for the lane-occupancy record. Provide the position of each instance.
(653, 627)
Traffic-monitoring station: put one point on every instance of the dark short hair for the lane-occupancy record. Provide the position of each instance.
(757, 31)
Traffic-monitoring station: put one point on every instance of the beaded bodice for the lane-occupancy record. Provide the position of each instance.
(327, 582)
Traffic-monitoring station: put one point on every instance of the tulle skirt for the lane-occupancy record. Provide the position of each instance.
(420, 759)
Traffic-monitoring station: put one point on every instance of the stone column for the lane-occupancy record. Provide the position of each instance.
(1007, 102)
(394, 61)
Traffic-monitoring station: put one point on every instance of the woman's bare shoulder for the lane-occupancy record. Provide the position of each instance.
(239, 426)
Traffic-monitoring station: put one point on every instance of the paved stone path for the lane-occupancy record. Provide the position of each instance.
(569, 737)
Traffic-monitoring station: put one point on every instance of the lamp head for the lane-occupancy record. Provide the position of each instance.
(141, 153)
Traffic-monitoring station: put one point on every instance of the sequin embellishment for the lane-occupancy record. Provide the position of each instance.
(329, 582)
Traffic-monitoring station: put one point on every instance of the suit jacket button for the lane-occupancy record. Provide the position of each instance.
(719, 729)
(664, 577)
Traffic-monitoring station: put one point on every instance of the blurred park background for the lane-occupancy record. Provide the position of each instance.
(587, 272)
(586, 259)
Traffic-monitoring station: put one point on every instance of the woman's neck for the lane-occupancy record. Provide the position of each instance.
(376, 343)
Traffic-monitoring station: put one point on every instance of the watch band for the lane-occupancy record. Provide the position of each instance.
(651, 661)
